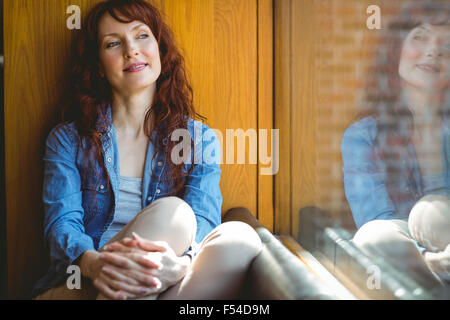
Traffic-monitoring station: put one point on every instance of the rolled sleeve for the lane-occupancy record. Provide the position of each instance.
(62, 196)
(202, 186)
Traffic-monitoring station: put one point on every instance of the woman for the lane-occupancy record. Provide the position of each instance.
(139, 223)
(397, 156)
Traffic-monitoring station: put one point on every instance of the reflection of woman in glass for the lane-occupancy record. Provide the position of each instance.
(397, 157)
(110, 173)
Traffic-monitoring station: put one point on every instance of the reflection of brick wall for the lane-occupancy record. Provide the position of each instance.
(345, 51)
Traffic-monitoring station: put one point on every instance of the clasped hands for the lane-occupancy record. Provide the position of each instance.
(133, 268)
(439, 262)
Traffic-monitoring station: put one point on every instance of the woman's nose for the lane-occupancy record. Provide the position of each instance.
(434, 48)
(130, 50)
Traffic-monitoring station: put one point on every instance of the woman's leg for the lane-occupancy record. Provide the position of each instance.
(219, 268)
(87, 292)
(168, 219)
(390, 240)
(429, 222)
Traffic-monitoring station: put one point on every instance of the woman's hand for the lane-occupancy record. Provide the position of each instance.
(439, 262)
(116, 283)
(171, 268)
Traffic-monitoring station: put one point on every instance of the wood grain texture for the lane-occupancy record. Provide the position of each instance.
(282, 114)
(265, 107)
(303, 111)
(219, 39)
(234, 102)
(36, 47)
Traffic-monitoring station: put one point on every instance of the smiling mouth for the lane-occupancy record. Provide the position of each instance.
(136, 68)
(430, 68)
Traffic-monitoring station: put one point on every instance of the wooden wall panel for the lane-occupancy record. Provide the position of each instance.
(219, 39)
(282, 114)
(303, 112)
(36, 47)
(220, 42)
(265, 107)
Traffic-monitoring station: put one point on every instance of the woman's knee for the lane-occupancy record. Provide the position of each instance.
(382, 235)
(429, 222)
(172, 209)
(165, 219)
(235, 239)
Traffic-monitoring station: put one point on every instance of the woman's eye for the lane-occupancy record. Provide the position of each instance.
(109, 45)
(112, 44)
(419, 37)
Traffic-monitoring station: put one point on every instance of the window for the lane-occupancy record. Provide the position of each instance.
(361, 100)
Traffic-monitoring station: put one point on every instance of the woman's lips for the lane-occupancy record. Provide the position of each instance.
(430, 68)
(136, 69)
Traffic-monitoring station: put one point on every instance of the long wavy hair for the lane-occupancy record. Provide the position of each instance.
(383, 90)
(89, 94)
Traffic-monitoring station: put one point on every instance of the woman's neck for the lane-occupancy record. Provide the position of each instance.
(128, 112)
(425, 106)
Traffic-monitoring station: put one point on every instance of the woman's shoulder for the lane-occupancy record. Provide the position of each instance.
(192, 123)
(63, 133)
(364, 129)
(196, 127)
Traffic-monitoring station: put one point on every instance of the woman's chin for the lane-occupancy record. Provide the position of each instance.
(430, 85)
(132, 87)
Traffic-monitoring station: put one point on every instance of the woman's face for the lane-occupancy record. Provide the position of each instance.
(124, 44)
(425, 57)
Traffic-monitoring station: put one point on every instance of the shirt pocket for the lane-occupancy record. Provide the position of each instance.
(95, 199)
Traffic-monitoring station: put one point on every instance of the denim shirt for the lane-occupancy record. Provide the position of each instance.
(365, 175)
(74, 224)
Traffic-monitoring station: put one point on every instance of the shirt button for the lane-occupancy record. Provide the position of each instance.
(149, 198)
(109, 159)
(102, 187)
(160, 163)
(158, 191)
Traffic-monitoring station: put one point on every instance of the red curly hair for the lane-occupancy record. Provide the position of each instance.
(89, 94)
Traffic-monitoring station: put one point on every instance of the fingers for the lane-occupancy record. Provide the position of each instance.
(119, 246)
(129, 242)
(149, 245)
(118, 274)
(132, 277)
(107, 291)
(141, 262)
(108, 284)
(131, 291)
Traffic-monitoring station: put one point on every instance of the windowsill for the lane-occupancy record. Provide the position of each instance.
(318, 269)
(364, 276)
